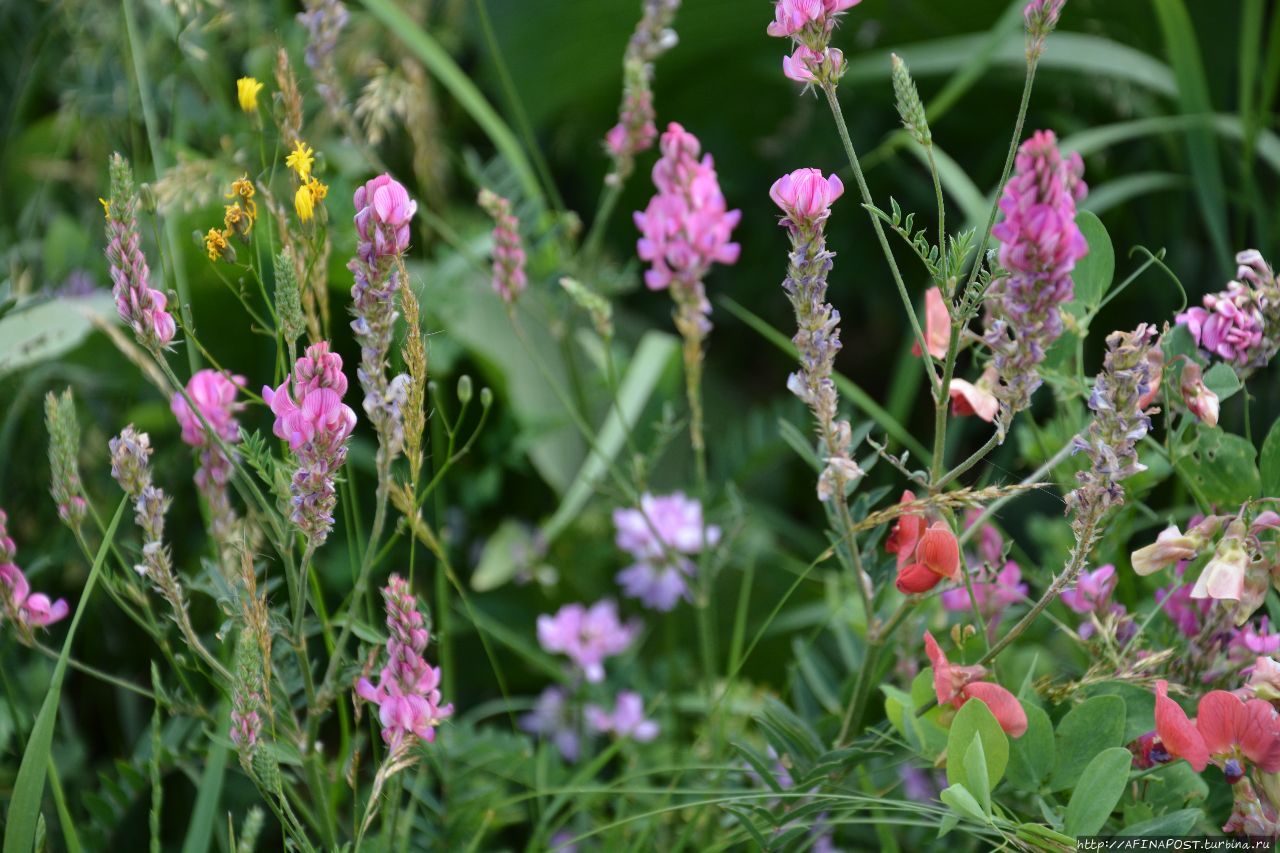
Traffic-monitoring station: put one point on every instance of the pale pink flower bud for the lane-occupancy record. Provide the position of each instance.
(1200, 401)
(1223, 577)
(1171, 546)
(383, 211)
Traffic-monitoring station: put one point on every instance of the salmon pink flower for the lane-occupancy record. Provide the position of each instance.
(1170, 547)
(969, 398)
(937, 325)
(927, 553)
(955, 685)
(1228, 731)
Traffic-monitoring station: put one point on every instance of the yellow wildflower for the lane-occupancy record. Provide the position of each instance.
(215, 243)
(106, 207)
(318, 190)
(237, 221)
(304, 203)
(301, 159)
(247, 90)
(243, 189)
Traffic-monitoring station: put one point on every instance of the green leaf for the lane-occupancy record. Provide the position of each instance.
(1094, 272)
(652, 356)
(28, 786)
(1085, 731)
(959, 798)
(1031, 756)
(1174, 786)
(1100, 787)
(500, 559)
(1175, 823)
(974, 720)
(1222, 380)
(1220, 467)
(1270, 461)
(1139, 706)
(975, 768)
(41, 330)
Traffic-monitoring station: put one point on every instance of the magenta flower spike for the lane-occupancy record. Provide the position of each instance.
(214, 394)
(316, 424)
(140, 306)
(407, 693)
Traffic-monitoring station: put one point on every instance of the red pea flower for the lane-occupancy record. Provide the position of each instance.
(1227, 731)
(955, 685)
(927, 553)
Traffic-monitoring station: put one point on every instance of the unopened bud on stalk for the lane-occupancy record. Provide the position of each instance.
(64, 444)
(907, 99)
(464, 389)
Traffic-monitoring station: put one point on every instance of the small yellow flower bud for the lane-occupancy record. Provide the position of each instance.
(247, 90)
(304, 203)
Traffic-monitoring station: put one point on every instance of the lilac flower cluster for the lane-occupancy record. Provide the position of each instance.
(1091, 596)
(383, 211)
(316, 425)
(626, 720)
(1039, 246)
(407, 693)
(324, 21)
(1119, 423)
(1240, 325)
(805, 196)
(214, 394)
(659, 535)
(994, 590)
(18, 603)
(587, 635)
(686, 228)
(553, 717)
(635, 130)
(809, 24)
(142, 307)
(509, 279)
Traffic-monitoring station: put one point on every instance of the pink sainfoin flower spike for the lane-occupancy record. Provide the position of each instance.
(1241, 324)
(509, 279)
(27, 609)
(138, 304)
(809, 24)
(383, 213)
(1227, 731)
(316, 424)
(627, 720)
(805, 197)
(1041, 16)
(1039, 247)
(955, 685)
(407, 693)
(659, 535)
(214, 394)
(635, 130)
(686, 228)
(587, 635)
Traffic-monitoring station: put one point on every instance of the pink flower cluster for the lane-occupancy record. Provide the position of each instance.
(138, 304)
(1229, 325)
(316, 425)
(383, 211)
(407, 693)
(993, 590)
(627, 720)
(686, 227)
(27, 609)
(659, 535)
(809, 24)
(587, 635)
(214, 394)
(509, 279)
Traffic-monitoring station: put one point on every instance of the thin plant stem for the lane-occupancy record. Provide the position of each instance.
(995, 506)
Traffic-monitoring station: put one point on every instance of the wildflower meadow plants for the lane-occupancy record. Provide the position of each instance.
(395, 509)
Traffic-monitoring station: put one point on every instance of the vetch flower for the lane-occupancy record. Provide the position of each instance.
(552, 718)
(1230, 325)
(975, 398)
(994, 591)
(627, 720)
(1224, 575)
(659, 535)
(806, 196)
(316, 425)
(587, 635)
(26, 609)
(1200, 401)
(1092, 592)
(407, 693)
(955, 685)
(247, 89)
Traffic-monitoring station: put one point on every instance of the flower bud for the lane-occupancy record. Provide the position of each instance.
(805, 196)
(1200, 401)
(1170, 547)
(464, 389)
(1223, 577)
(907, 99)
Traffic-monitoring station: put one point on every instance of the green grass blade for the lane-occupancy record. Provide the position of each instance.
(69, 835)
(654, 353)
(1117, 192)
(468, 96)
(1095, 139)
(208, 799)
(1193, 96)
(860, 398)
(28, 786)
